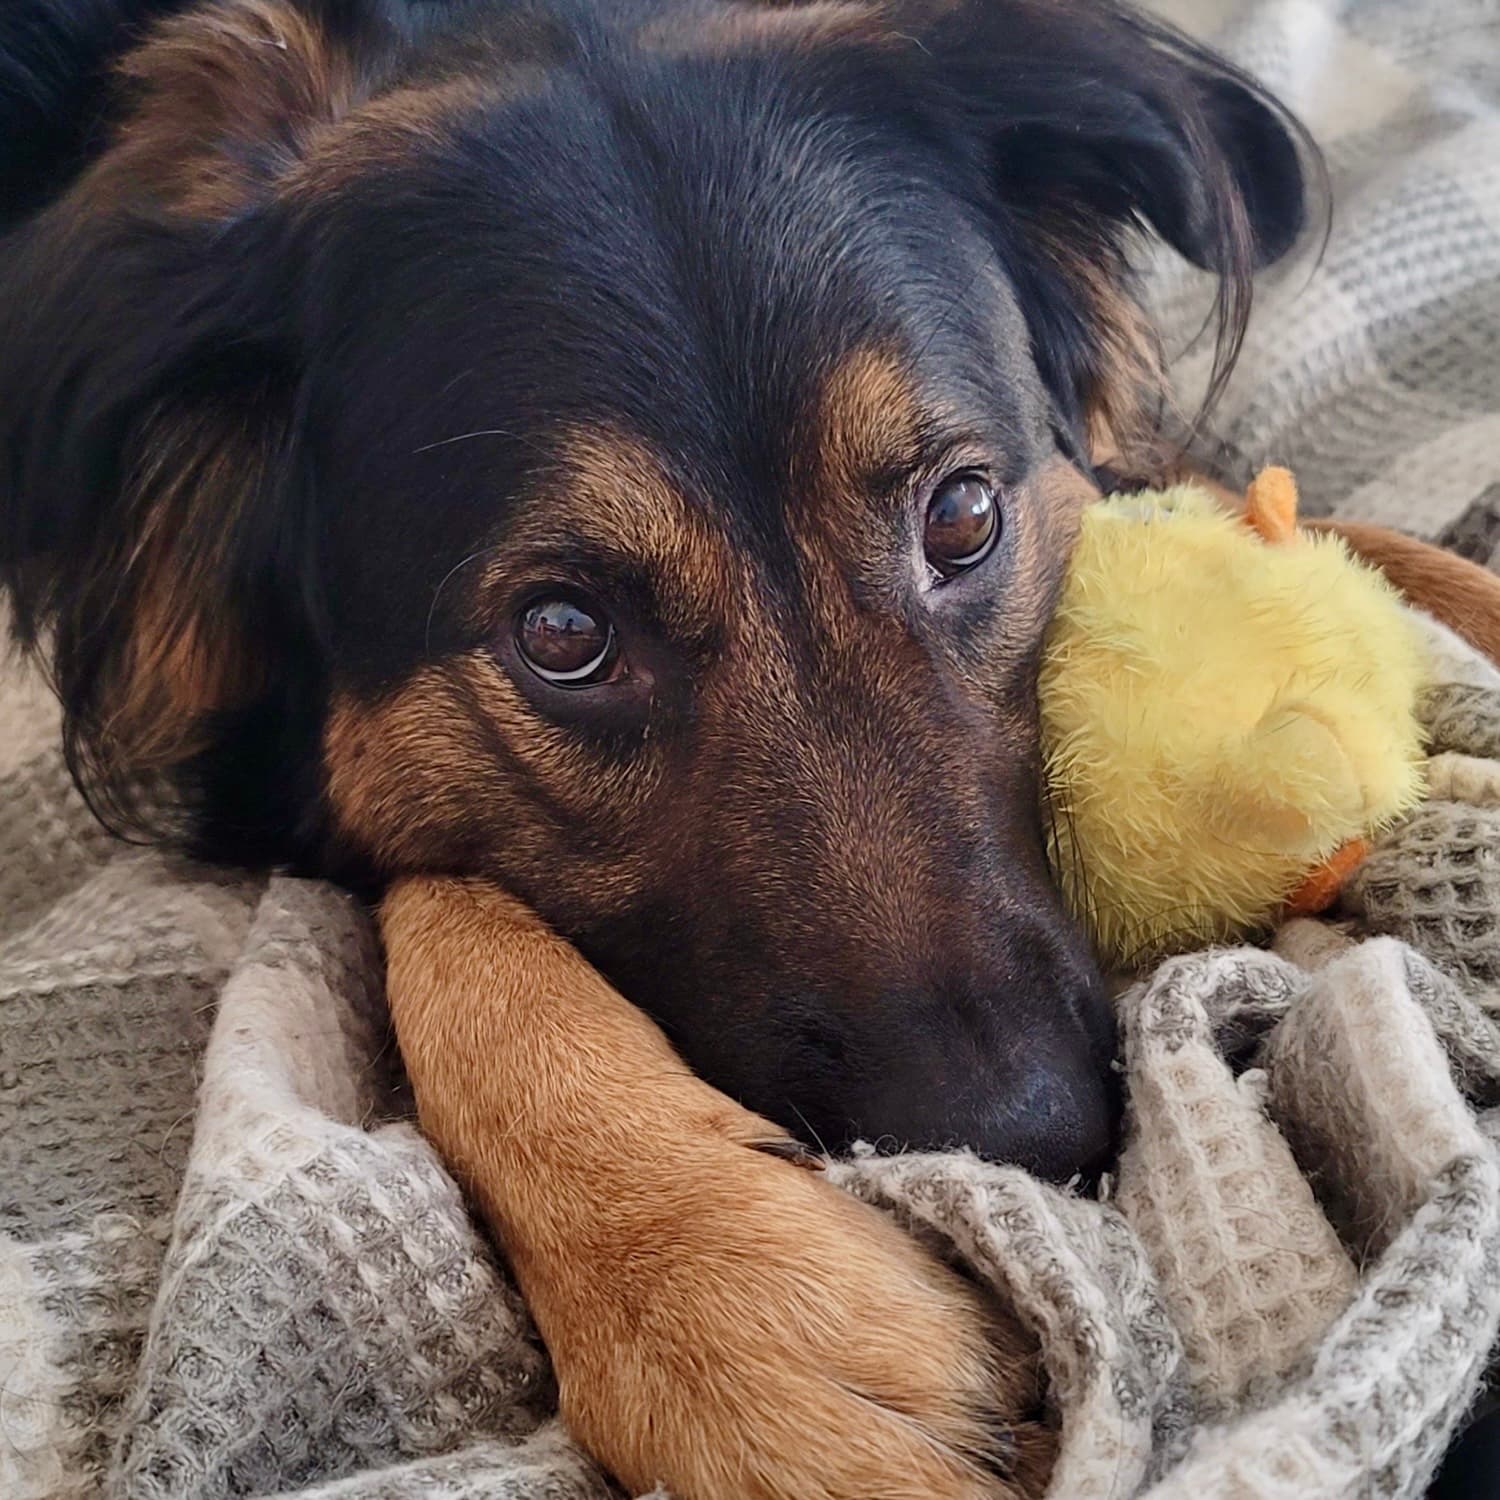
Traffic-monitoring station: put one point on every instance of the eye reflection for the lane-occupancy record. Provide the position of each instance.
(962, 523)
(566, 642)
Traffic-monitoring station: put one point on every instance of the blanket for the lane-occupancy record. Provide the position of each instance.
(230, 1265)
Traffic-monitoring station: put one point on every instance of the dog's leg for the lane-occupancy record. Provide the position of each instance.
(722, 1321)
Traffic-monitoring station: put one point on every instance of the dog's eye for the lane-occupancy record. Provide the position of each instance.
(566, 642)
(962, 525)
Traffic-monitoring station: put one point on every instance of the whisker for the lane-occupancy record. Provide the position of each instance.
(442, 584)
(463, 437)
(483, 432)
(808, 1128)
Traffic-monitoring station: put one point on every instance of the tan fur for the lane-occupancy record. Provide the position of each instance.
(721, 1321)
(385, 131)
(424, 778)
(222, 97)
(228, 95)
(399, 125)
(868, 419)
(399, 766)
(610, 486)
(183, 659)
(170, 677)
(864, 422)
(1124, 404)
(250, 97)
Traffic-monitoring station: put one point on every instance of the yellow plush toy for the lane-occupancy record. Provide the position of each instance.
(1227, 710)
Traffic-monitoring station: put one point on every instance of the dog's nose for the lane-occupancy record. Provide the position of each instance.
(1044, 1097)
(1059, 1123)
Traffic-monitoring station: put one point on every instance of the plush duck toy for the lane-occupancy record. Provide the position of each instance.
(1228, 713)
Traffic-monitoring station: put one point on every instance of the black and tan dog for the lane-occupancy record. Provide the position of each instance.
(622, 453)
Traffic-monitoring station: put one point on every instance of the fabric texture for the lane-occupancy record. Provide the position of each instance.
(230, 1265)
(1370, 368)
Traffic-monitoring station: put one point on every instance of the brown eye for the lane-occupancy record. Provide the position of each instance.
(962, 523)
(567, 643)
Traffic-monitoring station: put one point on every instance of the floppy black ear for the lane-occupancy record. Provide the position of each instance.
(1263, 147)
(1130, 122)
(1091, 123)
(1094, 105)
(154, 533)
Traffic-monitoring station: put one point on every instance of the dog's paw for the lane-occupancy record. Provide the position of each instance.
(735, 1328)
(722, 1321)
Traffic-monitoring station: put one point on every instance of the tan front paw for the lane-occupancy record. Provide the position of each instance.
(739, 1329)
(723, 1322)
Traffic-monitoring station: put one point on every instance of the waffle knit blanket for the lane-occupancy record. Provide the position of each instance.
(229, 1265)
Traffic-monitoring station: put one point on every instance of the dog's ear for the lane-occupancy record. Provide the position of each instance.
(1091, 123)
(1096, 110)
(152, 533)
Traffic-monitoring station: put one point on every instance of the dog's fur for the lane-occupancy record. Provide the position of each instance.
(333, 331)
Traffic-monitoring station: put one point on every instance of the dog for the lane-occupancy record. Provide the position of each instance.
(600, 470)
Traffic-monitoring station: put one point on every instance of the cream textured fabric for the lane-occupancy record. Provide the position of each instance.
(1452, 912)
(1252, 1271)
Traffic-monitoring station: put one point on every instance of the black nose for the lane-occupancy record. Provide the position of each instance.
(1058, 1121)
(1037, 1090)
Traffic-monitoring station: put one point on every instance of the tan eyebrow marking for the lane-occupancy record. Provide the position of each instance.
(610, 487)
(868, 418)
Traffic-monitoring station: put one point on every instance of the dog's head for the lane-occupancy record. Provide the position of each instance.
(630, 452)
